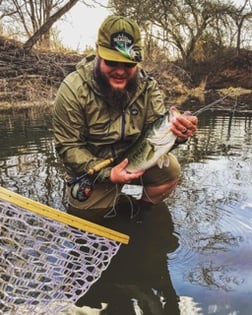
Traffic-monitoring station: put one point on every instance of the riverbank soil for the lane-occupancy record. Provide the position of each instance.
(32, 79)
(225, 70)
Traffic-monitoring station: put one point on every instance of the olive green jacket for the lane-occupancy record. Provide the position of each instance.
(88, 129)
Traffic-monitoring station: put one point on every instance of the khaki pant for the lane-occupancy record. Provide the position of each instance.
(104, 194)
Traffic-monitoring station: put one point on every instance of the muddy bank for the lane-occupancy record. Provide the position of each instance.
(32, 79)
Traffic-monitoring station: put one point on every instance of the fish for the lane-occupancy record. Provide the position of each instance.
(153, 146)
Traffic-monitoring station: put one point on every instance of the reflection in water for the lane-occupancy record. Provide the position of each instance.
(28, 160)
(214, 276)
(138, 277)
(209, 260)
(212, 213)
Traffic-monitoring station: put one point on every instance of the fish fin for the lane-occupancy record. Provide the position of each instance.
(150, 155)
(163, 161)
(166, 160)
(160, 162)
(151, 152)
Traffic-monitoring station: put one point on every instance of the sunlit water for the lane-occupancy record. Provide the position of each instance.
(211, 208)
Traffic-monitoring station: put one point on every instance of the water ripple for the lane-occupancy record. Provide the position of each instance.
(212, 215)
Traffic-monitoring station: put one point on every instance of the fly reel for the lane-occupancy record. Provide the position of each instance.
(82, 190)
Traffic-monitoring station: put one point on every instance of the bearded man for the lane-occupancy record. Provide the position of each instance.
(100, 111)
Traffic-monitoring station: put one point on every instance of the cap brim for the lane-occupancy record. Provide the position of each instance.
(112, 55)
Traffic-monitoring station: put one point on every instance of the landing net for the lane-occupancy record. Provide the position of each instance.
(46, 264)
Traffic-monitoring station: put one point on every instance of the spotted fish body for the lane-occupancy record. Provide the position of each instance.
(153, 146)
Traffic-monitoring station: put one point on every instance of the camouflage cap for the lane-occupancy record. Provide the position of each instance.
(119, 39)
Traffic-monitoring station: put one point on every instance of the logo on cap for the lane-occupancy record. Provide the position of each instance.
(121, 39)
(124, 43)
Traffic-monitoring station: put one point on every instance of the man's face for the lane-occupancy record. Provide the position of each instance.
(117, 74)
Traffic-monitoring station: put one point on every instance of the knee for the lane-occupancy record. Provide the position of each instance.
(160, 183)
(173, 171)
(156, 194)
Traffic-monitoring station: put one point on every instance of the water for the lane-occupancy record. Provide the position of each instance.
(201, 246)
(212, 214)
(28, 161)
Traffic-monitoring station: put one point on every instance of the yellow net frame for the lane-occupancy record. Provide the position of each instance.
(49, 258)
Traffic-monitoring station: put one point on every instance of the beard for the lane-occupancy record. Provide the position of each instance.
(115, 97)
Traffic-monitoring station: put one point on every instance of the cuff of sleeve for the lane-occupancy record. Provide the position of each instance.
(178, 142)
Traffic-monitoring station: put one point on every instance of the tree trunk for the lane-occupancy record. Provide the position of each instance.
(47, 25)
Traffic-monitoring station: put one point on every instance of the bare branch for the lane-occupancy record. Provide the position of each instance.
(48, 24)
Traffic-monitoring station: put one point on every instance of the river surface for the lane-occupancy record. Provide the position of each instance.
(195, 252)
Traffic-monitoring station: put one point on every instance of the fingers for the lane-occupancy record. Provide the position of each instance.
(119, 173)
(184, 126)
(123, 164)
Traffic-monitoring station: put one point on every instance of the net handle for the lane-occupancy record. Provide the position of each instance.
(61, 216)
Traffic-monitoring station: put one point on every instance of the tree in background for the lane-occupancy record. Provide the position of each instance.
(180, 26)
(46, 26)
(242, 19)
(30, 15)
(35, 18)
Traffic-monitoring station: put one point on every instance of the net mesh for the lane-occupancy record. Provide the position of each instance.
(46, 265)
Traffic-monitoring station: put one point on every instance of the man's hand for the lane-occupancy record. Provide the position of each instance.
(119, 174)
(184, 126)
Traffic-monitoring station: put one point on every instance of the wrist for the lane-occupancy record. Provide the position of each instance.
(180, 140)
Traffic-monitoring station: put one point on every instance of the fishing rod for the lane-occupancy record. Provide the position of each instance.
(108, 161)
(208, 106)
(91, 171)
(82, 186)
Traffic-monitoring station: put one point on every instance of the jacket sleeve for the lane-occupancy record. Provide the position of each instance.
(70, 131)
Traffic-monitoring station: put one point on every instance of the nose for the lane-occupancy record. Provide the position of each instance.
(120, 68)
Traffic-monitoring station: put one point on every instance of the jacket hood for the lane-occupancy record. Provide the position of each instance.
(86, 68)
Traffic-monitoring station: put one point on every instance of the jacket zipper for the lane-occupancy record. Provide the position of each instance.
(123, 124)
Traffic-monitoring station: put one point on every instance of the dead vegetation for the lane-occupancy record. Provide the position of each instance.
(32, 79)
